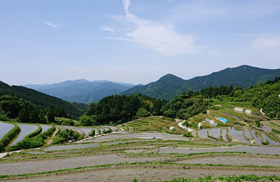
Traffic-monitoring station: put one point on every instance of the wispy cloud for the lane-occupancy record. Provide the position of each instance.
(54, 25)
(159, 37)
(267, 42)
(108, 29)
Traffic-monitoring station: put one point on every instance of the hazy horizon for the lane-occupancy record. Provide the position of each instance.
(133, 41)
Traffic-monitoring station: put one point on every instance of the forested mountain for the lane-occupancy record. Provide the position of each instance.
(82, 91)
(31, 105)
(120, 108)
(169, 85)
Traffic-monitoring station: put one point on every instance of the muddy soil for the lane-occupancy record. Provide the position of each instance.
(163, 136)
(56, 164)
(69, 147)
(234, 161)
(127, 175)
(248, 149)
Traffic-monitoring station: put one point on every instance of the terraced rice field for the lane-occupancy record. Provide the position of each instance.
(161, 160)
(25, 130)
(5, 128)
(152, 152)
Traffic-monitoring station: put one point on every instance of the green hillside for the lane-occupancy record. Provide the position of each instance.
(169, 85)
(16, 99)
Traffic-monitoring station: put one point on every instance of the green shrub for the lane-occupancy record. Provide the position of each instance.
(86, 120)
(9, 137)
(65, 121)
(48, 133)
(33, 134)
(188, 134)
(142, 112)
(34, 142)
(276, 131)
(68, 123)
(107, 131)
(28, 143)
(92, 133)
(63, 136)
(266, 143)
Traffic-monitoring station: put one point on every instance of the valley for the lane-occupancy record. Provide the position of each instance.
(210, 134)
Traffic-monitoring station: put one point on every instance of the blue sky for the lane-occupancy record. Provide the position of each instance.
(134, 41)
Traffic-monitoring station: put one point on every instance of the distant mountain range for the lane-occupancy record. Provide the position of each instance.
(170, 85)
(82, 91)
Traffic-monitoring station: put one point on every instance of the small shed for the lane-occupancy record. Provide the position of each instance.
(247, 111)
(239, 109)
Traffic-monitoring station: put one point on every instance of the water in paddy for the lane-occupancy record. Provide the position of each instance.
(215, 132)
(272, 142)
(85, 130)
(257, 137)
(224, 134)
(5, 128)
(112, 127)
(202, 133)
(247, 133)
(69, 147)
(194, 133)
(45, 128)
(25, 130)
(237, 134)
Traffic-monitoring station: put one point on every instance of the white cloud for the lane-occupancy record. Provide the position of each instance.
(108, 29)
(161, 38)
(126, 4)
(54, 25)
(267, 42)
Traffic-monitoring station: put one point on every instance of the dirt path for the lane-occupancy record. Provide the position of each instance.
(147, 174)
(56, 164)
(53, 135)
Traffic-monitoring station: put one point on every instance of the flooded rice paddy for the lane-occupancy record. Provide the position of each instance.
(202, 133)
(215, 132)
(69, 147)
(45, 128)
(5, 128)
(247, 133)
(237, 134)
(272, 142)
(25, 130)
(257, 137)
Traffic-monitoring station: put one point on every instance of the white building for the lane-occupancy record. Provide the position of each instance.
(238, 109)
(247, 111)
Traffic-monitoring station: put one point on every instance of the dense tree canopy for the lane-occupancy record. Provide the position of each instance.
(121, 108)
